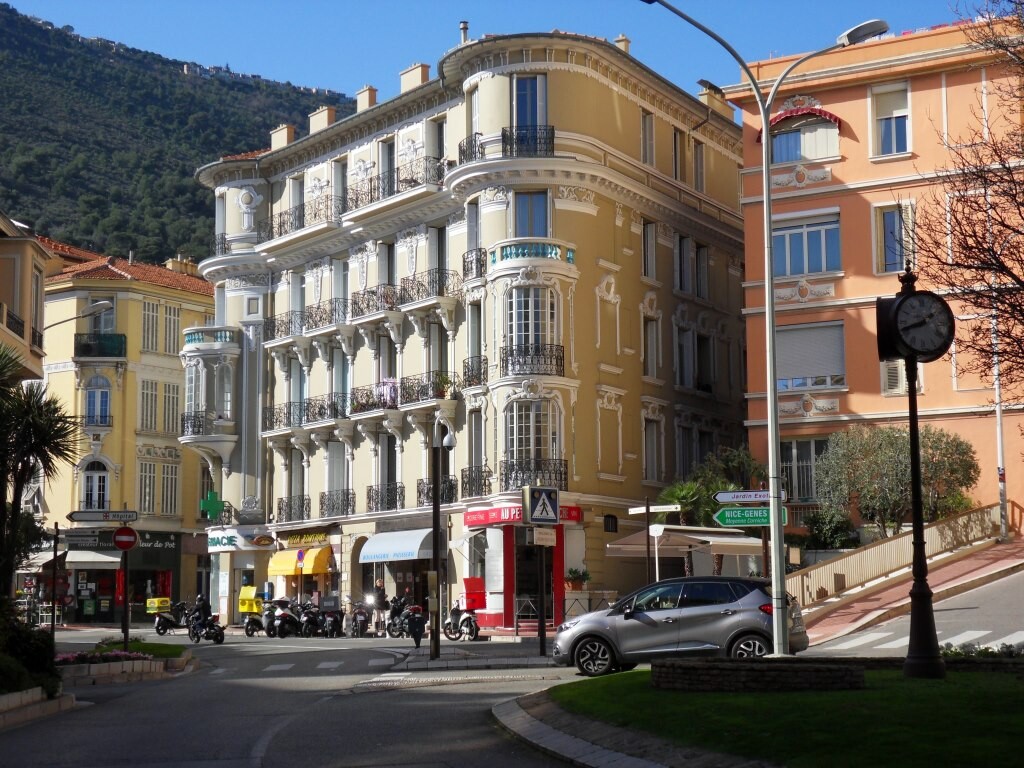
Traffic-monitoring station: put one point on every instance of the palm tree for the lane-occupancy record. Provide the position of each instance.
(36, 435)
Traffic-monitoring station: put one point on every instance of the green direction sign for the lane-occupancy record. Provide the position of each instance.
(742, 517)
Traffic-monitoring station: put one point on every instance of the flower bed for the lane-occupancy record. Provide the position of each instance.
(99, 657)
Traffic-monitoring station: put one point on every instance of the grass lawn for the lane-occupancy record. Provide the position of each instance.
(968, 719)
(156, 650)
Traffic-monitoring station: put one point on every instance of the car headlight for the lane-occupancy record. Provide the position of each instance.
(567, 625)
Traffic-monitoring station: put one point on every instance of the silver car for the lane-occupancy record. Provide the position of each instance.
(691, 616)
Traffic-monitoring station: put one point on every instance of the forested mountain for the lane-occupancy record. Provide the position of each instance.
(99, 142)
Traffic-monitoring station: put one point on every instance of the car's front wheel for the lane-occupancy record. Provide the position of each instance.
(594, 657)
(750, 647)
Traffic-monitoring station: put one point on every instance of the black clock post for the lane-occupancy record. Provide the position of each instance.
(916, 326)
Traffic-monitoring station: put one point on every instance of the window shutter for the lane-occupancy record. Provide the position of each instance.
(812, 350)
(893, 380)
(909, 257)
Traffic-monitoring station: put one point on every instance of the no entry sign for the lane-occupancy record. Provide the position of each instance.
(125, 538)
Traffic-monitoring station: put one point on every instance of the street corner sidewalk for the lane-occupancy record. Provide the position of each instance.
(476, 655)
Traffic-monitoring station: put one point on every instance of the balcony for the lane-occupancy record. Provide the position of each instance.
(100, 344)
(292, 509)
(37, 338)
(94, 504)
(532, 359)
(428, 387)
(374, 397)
(219, 245)
(209, 434)
(413, 175)
(101, 420)
(532, 248)
(15, 324)
(528, 141)
(548, 473)
(337, 503)
(432, 284)
(386, 497)
(283, 416)
(474, 264)
(381, 298)
(425, 492)
(328, 314)
(471, 149)
(211, 338)
(474, 371)
(325, 209)
(476, 481)
(283, 326)
(329, 407)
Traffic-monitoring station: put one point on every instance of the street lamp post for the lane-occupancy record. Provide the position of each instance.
(435, 538)
(858, 34)
(93, 309)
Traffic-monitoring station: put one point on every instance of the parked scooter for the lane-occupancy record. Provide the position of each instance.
(361, 613)
(461, 624)
(333, 623)
(176, 618)
(269, 615)
(311, 621)
(286, 618)
(208, 630)
(398, 620)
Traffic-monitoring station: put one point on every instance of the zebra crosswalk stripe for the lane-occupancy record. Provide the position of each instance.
(278, 667)
(329, 664)
(1016, 637)
(870, 637)
(965, 637)
(905, 640)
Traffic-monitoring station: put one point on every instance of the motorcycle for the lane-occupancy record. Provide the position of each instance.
(269, 614)
(311, 621)
(333, 621)
(361, 617)
(256, 622)
(176, 618)
(208, 630)
(398, 620)
(286, 618)
(461, 623)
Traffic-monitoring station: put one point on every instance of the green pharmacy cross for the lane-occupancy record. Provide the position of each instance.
(211, 506)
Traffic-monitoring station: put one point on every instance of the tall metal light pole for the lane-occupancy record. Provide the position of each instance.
(858, 34)
(435, 538)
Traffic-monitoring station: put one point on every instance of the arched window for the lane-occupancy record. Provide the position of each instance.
(97, 402)
(96, 486)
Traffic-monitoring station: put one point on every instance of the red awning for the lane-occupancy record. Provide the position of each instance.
(800, 111)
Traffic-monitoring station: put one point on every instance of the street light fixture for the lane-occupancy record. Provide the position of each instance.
(93, 309)
(435, 538)
(858, 34)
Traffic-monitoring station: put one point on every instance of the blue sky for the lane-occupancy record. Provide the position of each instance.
(345, 44)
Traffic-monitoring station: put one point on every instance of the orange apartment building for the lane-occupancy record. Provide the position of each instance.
(859, 136)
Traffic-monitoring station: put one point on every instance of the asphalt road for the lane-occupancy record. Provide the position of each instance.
(298, 702)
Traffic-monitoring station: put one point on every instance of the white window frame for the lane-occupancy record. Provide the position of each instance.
(904, 211)
(805, 228)
(147, 487)
(150, 326)
(789, 457)
(148, 405)
(532, 430)
(814, 133)
(172, 329)
(795, 343)
(875, 128)
(169, 490)
(172, 407)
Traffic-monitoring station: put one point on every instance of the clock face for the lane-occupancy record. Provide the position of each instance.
(924, 325)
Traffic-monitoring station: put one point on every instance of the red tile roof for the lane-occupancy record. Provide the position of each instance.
(247, 155)
(114, 268)
(66, 251)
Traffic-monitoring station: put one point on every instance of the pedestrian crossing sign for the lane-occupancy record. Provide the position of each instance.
(540, 505)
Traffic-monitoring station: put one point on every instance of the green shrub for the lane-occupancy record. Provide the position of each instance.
(13, 675)
(34, 648)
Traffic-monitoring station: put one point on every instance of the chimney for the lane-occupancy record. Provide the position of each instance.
(622, 43)
(282, 136)
(714, 97)
(366, 97)
(182, 266)
(415, 75)
(464, 29)
(322, 118)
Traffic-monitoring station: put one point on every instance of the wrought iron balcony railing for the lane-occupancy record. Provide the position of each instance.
(374, 397)
(433, 385)
(523, 359)
(476, 481)
(471, 149)
(219, 244)
(15, 324)
(550, 473)
(334, 405)
(381, 298)
(327, 313)
(337, 503)
(528, 141)
(37, 338)
(282, 326)
(425, 492)
(416, 173)
(474, 264)
(282, 415)
(430, 285)
(95, 503)
(318, 210)
(381, 498)
(100, 344)
(292, 509)
(97, 420)
(474, 371)
(196, 423)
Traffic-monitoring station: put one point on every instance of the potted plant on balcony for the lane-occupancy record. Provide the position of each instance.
(576, 578)
(442, 386)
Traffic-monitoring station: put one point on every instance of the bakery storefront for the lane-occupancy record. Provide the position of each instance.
(306, 568)
(496, 544)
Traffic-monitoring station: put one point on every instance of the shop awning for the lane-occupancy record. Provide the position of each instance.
(397, 545)
(456, 543)
(38, 562)
(676, 543)
(286, 561)
(83, 560)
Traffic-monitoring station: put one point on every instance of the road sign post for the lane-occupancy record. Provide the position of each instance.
(125, 538)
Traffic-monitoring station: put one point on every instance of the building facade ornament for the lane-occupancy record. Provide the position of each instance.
(249, 201)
